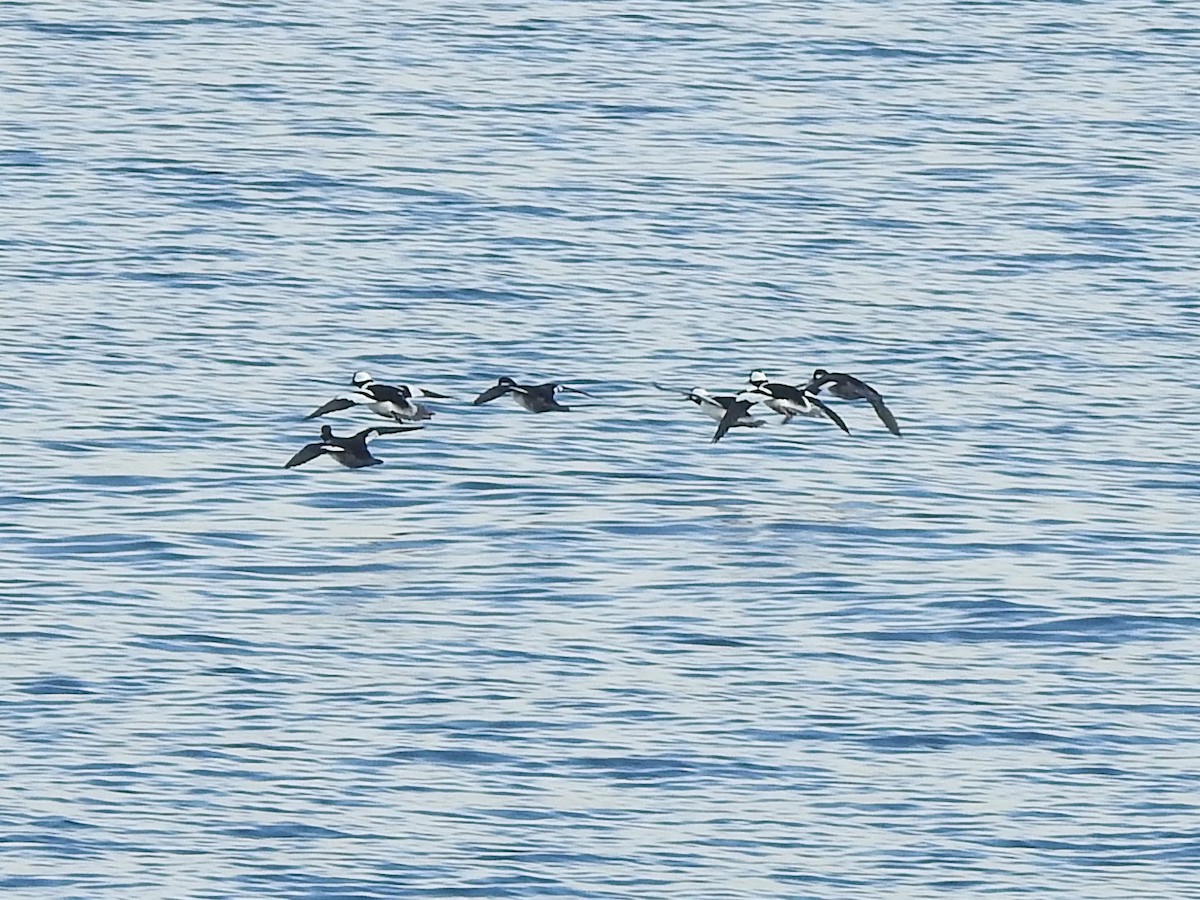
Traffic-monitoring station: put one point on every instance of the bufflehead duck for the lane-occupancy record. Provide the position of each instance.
(790, 401)
(717, 407)
(351, 451)
(536, 398)
(390, 401)
(850, 388)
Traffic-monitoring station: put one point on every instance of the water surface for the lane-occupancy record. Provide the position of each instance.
(592, 654)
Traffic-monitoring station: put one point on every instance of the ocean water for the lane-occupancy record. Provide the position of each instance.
(592, 654)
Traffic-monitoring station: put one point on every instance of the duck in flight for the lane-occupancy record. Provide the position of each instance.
(717, 406)
(351, 451)
(390, 401)
(537, 398)
(790, 401)
(847, 387)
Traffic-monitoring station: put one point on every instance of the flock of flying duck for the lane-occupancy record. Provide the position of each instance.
(399, 403)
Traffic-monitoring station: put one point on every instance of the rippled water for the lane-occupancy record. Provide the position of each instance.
(592, 654)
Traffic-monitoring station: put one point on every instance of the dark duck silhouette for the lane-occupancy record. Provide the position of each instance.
(351, 451)
(536, 398)
(847, 387)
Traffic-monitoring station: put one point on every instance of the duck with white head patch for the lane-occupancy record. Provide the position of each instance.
(789, 401)
(390, 401)
(717, 406)
(537, 398)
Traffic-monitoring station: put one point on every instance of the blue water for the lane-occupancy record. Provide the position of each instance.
(592, 654)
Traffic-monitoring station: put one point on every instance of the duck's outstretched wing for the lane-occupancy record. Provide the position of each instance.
(332, 406)
(386, 429)
(733, 412)
(872, 396)
(833, 417)
(307, 452)
(496, 390)
(885, 414)
(858, 386)
(575, 390)
(687, 395)
(861, 389)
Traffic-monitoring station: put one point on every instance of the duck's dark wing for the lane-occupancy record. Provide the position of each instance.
(786, 392)
(425, 392)
(833, 417)
(542, 391)
(307, 452)
(332, 406)
(384, 429)
(860, 387)
(496, 390)
(385, 393)
(885, 414)
(733, 411)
